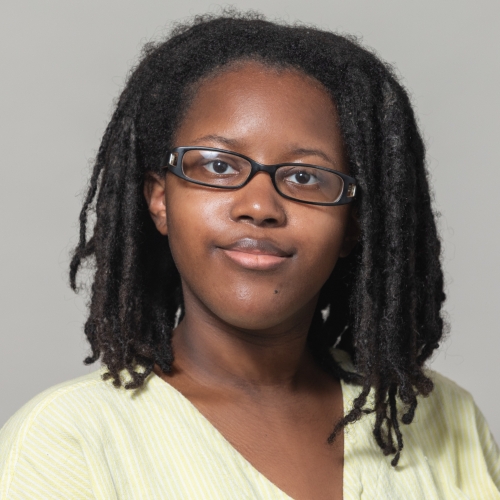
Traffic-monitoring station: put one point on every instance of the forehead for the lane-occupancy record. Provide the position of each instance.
(253, 102)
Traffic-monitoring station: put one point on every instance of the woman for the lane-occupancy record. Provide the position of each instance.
(266, 274)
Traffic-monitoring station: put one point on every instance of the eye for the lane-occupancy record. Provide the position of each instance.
(302, 177)
(219, 167)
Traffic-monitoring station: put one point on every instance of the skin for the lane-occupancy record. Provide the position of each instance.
(240, 352)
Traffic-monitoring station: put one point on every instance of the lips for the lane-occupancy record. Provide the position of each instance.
(257, 254)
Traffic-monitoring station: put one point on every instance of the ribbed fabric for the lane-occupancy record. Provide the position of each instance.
(84, 439)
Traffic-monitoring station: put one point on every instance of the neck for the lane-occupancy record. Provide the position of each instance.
(215, 353)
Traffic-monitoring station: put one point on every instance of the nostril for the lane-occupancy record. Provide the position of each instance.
(268, 221)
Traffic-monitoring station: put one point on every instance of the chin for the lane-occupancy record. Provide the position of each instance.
(255, 323)
(257, 315)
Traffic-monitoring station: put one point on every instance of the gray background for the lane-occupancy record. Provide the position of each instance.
(63, 63)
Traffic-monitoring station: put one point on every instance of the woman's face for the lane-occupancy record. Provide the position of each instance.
(250, 257)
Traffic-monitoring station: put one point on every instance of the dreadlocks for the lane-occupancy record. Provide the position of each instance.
(385, 298)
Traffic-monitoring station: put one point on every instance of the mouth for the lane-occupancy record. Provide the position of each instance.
(256, 254)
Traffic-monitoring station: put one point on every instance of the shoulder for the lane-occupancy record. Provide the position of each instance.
(88, 407)
(56, 402)
(452, 433)
(449, 404)
(45, 427)
(71, 411)
(447, 396)
(87, 401)
(447, 421)
(57, 411)
(448, 447)
(449, 415)
(446, 388)
(55, 398)
(72, 428)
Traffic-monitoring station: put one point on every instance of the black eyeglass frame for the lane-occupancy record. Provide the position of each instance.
(172, 161)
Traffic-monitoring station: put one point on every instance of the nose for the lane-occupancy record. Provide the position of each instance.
(258, 203)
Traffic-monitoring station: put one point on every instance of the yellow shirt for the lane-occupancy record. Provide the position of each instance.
(84, 439)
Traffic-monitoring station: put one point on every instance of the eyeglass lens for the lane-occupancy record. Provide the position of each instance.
(303, 183)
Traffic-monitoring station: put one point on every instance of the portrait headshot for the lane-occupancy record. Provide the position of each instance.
(250, 250)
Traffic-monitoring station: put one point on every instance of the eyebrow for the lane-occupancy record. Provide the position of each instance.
(295, 151)
(312, 152)
(218, 138)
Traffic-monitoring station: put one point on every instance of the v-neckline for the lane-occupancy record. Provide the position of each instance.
(205, 422)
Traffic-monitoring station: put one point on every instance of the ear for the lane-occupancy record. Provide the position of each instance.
(352, 233)
(154, 192)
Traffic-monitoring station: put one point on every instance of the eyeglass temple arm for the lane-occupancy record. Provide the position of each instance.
(172, 159)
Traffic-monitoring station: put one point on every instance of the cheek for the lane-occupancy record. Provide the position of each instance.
(194, 216)
(321, 234)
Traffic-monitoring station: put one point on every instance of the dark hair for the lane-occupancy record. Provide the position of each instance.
(385, 298)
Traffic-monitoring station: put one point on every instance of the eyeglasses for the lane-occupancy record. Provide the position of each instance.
(223, 169)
